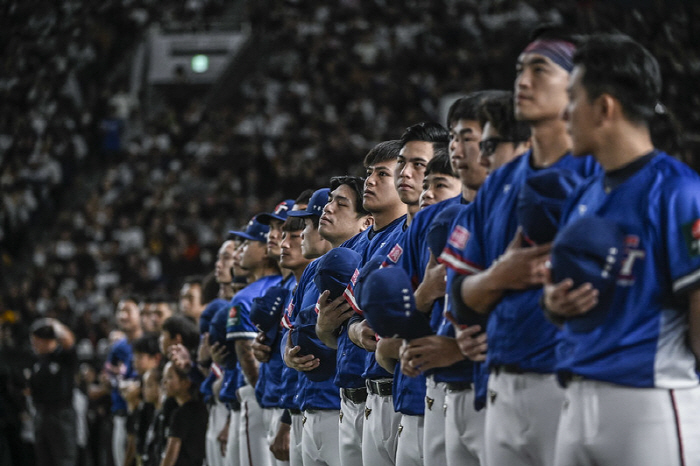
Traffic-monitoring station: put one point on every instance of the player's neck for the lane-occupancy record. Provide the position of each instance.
(550, 141)
(412, 211)
(623, 146)
(183, 398)
(468, 194)
(384, 218)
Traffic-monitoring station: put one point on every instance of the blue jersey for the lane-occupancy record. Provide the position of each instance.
(217, 334)
(206, 387)
(642, 341)
(381, 242)
(351, 358)
(269, 384)
(305, 294)
(120, 357)
(412, 254)
(517, 330)
(239, 327)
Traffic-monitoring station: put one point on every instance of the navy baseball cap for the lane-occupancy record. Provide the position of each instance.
(389, 306)
(540, 203)
(589, 250)
(280, 213)
(318, 201)
(440, 229)
(254, 231)
(266, 311)
(373, 264)
(305, 337)
(335, 269)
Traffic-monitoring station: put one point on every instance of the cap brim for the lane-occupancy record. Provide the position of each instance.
(301, 213)
(244, 235)
(266, 218)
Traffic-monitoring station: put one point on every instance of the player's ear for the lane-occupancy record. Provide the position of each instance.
(607, 107)
(367, 222)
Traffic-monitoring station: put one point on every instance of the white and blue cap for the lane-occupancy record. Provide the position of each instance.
(266, 311)
(386, 297)
(254, 231)
(589, 250)
(440, 229)
(304, 336)
(541, 201)
(280, 213)
(335, 270)
(318, 201)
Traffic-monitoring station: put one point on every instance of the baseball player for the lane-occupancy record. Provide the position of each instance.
(342, 223)
(505, 277)
(455, 429)
(631, 382)
(420, 144)
(263, 272)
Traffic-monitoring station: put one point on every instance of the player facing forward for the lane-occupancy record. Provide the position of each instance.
(631, 383)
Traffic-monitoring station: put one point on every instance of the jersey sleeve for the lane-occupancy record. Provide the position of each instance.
(238, 325)
(681, 228)
(462, 249)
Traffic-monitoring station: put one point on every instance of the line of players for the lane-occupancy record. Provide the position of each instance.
(505, 376)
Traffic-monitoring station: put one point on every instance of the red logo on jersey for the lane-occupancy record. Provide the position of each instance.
(632, 241)
(353, 280)
(395, 254)
(695, 229)
(233, 312)
(459, 237)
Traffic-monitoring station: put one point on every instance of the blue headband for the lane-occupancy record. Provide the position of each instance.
(559, 51)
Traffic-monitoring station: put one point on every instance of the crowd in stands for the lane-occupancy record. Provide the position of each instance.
(99, 201)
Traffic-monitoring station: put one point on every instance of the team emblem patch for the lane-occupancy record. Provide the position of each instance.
(368, 411)
(395, 254)
(691, 233)
(429, 402)
(459, 237)
(232, 317)
(353, 280)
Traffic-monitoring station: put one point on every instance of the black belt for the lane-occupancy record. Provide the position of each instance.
(356, 395)
(565, 378)
(233, 405)
(459, 386)
(379, 387)
(508, 369)
(294, 411)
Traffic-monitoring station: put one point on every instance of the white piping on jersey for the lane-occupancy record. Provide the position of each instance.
(685, 281)
(240, 335)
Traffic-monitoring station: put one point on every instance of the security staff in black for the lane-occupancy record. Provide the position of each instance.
(52, 382)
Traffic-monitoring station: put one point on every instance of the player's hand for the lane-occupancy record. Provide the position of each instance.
(332, 314)
(223, 438)
(561, 300)
(218, 353)
(471, 340)
(280, 444)
(179, 355)
(429, 352)
(521, 267)
(433, 285)
(363, 336)
(296, 362)
(261, 351)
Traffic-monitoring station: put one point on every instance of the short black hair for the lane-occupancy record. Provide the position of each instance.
(193, 280)
(498, 109)
(180, 325)
(293, 224)
(554, 31)
(387, 150)
(146, 344)
(304, 197)
(440, 164)
(467, 107)
(616, 64)
(428, 131)
(357, 184)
